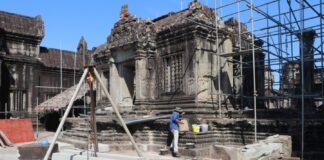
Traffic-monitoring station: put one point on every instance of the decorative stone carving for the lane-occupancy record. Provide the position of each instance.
(201, 14)
(195, 5)
(132, 31)
(124, 12)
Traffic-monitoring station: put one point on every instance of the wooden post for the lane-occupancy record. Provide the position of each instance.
(93, 122)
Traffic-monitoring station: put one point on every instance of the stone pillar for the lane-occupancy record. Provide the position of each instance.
(308, 41)
(227, 70)
(204, 72)
(99, 88)
(260, 74)
(30, 86)
(141, 76)
(11, 101)
(24, 77)
(24, 106)
(115, 90)
(152, 78)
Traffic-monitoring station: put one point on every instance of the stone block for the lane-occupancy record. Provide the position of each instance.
(103, 147)
(64, 146)
(143, 147)
(38, 151)
(63, 156)
(226, 152)
(72, 151)
(284, 140)
(117, 156)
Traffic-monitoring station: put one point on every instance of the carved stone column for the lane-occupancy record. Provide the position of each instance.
(32, 74)
(114, 81)
(11, 101)
(142, 85)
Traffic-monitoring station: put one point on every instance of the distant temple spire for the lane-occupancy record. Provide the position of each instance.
(82, 49)
(124, 12)
(82, 46)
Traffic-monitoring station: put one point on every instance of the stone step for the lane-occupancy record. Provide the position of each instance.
(83, 129)
(79, 135)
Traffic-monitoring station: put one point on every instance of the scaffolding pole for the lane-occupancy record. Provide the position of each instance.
(118, 114)
(240, 50)
(283, 43)
(219, 70)
(69, 107)
(60, 127)
(254, 74)
(268, 49)
(61, 77)
(322, 55)
(302, 77)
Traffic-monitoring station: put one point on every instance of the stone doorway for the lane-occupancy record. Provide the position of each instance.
(126, 72)
(129, 76)
(5, 79)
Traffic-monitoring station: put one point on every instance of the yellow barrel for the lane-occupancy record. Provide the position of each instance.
(195, 128)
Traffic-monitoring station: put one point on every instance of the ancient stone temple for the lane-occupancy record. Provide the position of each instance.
(194, 60)
(152, 65)
(28, 70)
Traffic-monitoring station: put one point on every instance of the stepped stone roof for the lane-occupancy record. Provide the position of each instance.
(22, 25)
(50, 57)
(196, 12)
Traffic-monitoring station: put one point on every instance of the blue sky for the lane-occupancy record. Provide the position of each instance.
(67, 20)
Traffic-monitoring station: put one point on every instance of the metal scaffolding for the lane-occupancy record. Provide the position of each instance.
(281, 26)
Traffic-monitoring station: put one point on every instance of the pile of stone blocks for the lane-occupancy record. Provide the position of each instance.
(273, 147)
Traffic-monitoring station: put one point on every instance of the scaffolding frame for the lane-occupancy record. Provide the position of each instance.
(278, 29)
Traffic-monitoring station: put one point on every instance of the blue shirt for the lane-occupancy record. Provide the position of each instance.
(173, 121)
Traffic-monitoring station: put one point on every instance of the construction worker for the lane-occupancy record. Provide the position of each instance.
(174, 128)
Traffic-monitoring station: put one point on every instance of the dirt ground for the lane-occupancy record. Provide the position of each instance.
(11, 153)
